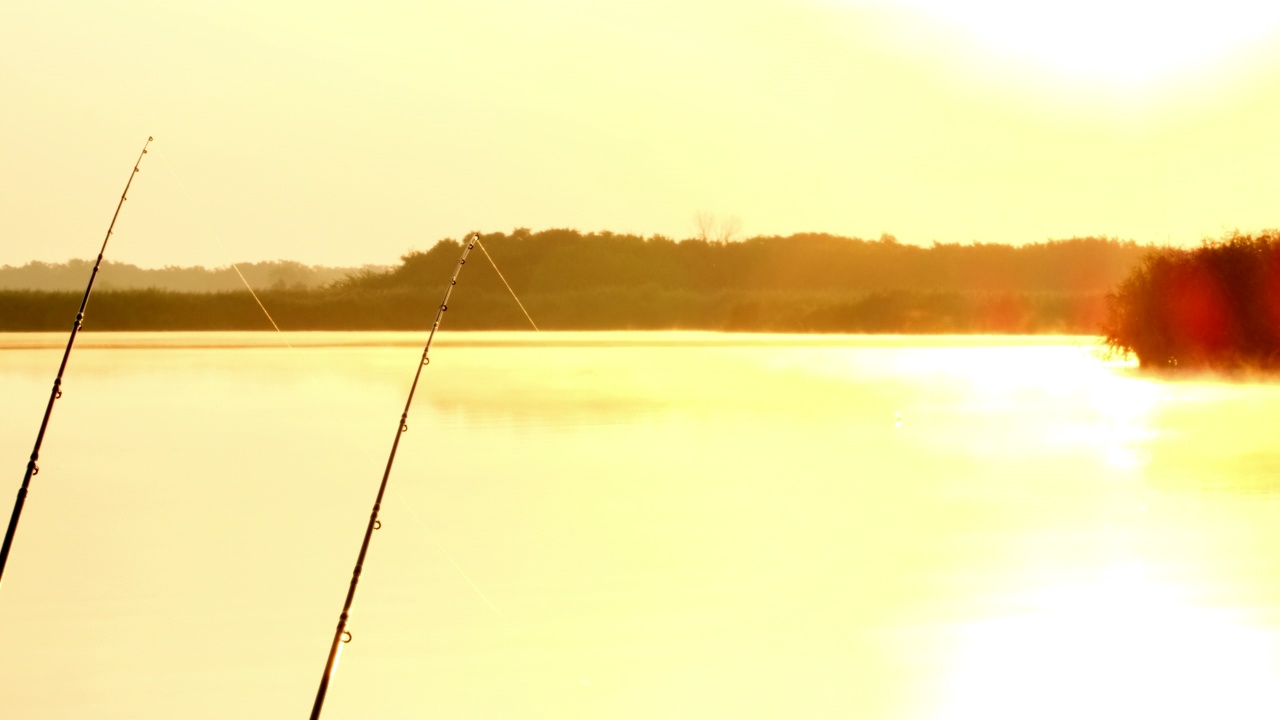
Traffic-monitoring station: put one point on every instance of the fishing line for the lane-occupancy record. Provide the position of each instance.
(447, 556)
(32, 467)
(218, 240)
(504, 282)
(264, 307)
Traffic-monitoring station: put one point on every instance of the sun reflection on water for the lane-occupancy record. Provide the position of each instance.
(1123, 430)
(1125, 644)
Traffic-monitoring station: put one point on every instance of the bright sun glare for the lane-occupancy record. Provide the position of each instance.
(1123, 645)
(1120, 42)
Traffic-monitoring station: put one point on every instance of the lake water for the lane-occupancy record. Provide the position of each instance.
(626, 526)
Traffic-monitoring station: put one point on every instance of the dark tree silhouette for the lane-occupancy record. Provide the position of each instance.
(1217, 306)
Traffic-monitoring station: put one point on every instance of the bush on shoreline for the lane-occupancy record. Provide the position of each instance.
(1213, 307)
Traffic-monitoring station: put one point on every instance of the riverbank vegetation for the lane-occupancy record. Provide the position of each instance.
(1213, 307)
(573, 281)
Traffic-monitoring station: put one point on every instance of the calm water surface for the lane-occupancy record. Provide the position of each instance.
(637, 526)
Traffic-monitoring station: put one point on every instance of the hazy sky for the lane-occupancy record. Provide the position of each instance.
(350, 133)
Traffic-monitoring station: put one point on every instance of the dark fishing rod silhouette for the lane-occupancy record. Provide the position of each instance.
(342, 635)
(32, 467)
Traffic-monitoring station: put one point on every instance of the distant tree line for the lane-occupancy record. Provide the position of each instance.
(574, 281)
(554, 260)
(1215, 306)
(73, 274)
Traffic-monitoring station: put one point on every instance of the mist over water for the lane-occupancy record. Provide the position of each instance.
(637, 525)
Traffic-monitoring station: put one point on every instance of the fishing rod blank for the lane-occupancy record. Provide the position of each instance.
(341, 635)
(32, 467)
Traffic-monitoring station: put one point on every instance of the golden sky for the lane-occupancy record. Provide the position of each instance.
(349, 133)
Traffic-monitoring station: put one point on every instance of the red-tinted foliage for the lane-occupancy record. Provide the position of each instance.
(1215, 306)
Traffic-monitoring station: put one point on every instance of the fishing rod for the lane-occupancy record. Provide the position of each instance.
(32, 468)
(342, 635)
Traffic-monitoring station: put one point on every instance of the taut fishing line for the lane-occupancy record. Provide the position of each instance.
(504, 282)
(209, 227)
(447, 556)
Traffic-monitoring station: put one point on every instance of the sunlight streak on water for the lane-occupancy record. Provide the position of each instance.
(1120, 645)
(1124, 430)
